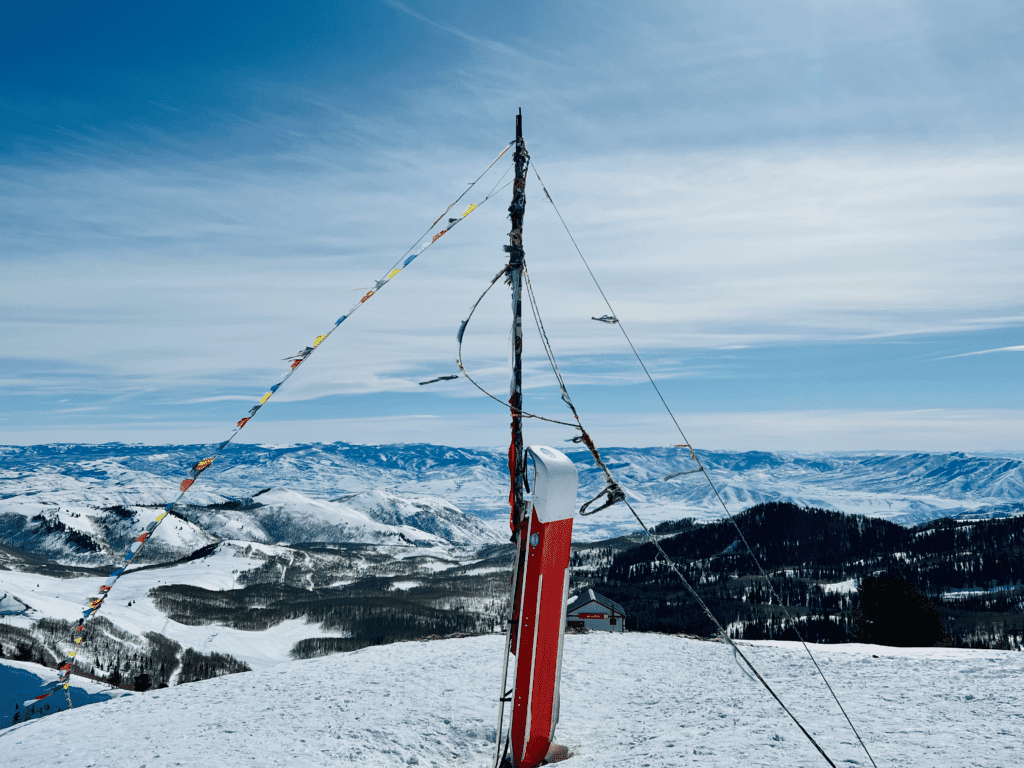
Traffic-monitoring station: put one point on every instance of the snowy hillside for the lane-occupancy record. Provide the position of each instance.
(375, 517)
(226, 569)
(627, 700)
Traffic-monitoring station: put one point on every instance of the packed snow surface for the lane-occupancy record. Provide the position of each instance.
(627, 700)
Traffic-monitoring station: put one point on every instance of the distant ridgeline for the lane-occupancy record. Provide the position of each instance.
(947, 581)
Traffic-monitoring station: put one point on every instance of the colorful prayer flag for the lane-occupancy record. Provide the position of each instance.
(199, 467)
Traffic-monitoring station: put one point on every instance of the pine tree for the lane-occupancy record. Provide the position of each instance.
(895, 612)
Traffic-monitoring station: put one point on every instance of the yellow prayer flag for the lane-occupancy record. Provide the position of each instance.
(265, 398)
(392, 273)
(472, 207)
(318, 339)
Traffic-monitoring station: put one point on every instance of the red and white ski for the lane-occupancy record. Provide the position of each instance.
(538, 618)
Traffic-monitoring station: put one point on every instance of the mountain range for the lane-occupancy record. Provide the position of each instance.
(81, 503)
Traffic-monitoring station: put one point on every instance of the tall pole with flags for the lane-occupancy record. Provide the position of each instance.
(516, 256)
(542, 536)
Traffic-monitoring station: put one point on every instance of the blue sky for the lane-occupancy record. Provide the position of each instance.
(807, 214)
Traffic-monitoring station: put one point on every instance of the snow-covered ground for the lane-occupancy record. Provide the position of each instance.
(627, 700)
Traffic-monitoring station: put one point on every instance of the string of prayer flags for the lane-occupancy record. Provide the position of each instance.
(136, 546)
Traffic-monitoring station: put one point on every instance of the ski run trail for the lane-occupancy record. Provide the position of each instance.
(627, 700)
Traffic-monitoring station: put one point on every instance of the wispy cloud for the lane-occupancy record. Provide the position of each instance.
(214, 271)
(476, 40)
(1019, 348)
(741, 178)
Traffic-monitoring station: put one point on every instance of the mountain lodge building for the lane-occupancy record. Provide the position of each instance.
(593, 611)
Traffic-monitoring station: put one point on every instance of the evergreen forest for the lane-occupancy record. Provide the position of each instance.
(830, 576)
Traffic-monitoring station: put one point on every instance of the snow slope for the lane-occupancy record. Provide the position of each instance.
(284, 515)
(627, 700)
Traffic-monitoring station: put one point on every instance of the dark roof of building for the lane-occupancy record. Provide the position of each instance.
(590, 596)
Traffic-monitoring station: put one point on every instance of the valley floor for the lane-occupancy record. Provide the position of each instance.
(627, 700)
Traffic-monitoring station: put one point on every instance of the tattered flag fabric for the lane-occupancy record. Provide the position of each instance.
(199, 466)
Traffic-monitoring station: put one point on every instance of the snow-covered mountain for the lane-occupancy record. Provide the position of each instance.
(372, 517)
(404, 521)
(342, 492)
(627, 700)
(85, 504)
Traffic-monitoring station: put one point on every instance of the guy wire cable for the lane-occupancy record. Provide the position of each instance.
(700, 464)
(616, 494)
(621, 497)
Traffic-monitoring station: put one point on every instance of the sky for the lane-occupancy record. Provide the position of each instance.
(807, 216)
